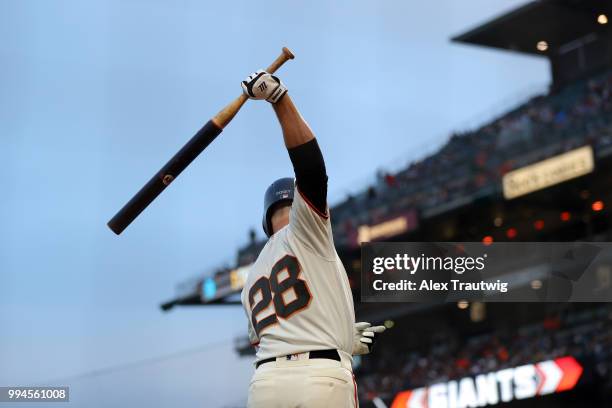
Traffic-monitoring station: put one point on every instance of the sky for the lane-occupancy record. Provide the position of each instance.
(96, 96)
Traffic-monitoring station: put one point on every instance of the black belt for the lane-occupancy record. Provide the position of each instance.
(329, 354)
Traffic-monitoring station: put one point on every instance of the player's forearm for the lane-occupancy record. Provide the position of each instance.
(304, 152)
(296, 131)
(310, 173)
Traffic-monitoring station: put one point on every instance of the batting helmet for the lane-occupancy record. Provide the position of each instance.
(280, 190)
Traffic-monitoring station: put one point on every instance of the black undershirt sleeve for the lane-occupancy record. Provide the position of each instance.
(310, 174)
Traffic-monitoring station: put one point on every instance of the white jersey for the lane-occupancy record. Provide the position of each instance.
(297, 296)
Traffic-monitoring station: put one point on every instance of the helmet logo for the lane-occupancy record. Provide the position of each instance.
(281, 190)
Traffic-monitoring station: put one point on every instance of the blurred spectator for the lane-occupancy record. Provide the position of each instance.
(584, 335)
(469, 162)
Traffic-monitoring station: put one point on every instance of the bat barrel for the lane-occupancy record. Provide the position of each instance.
(184, 157)
(136, 205)
(164, 177)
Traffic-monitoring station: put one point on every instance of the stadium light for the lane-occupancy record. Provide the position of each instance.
(542, 46)
(566, 216)
(602, 19)
(536, 284)
(463, 304)
(597, 205)
(511, 233)
(488, 240)
(498, 221)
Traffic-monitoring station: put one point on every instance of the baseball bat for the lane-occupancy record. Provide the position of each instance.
(170, 171)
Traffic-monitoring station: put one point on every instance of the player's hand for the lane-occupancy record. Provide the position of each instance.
(364, 337)
(262, 85)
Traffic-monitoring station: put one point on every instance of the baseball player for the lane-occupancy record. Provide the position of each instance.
(297, 296)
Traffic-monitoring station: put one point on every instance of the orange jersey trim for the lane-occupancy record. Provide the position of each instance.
(311, 205)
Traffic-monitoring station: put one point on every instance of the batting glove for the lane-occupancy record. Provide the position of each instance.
(364, 337)
(262, 85)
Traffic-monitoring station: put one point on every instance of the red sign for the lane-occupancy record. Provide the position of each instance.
(527, 381)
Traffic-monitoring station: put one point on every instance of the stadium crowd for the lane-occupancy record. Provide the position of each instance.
(472, 164)
(585, 335)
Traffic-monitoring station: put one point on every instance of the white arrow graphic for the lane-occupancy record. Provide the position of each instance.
(549, 376)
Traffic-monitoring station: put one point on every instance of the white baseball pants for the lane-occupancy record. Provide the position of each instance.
(304, 383)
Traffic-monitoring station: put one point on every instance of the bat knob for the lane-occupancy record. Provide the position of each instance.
(167, 179)
(288, 53)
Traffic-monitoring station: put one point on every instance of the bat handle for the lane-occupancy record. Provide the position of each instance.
(226, 114)
(285, 56)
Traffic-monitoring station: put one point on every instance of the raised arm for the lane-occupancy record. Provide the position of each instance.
(305, 154)
(296, 131)
(304, 151)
